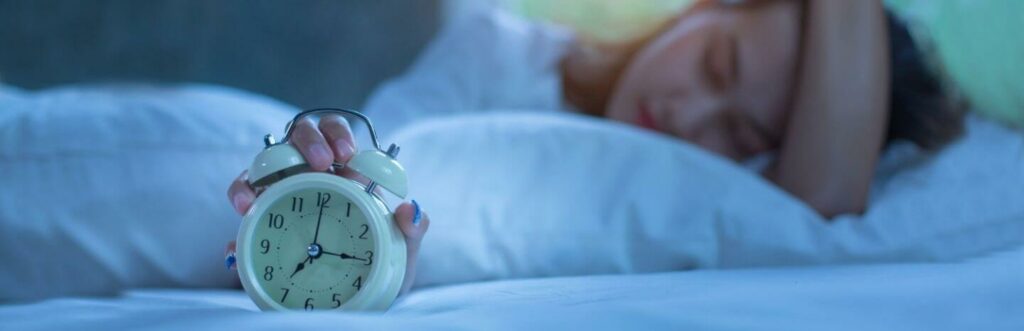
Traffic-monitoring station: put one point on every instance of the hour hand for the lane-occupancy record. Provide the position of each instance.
(302, 265)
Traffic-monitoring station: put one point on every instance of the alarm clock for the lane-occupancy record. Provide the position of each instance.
(319, 241)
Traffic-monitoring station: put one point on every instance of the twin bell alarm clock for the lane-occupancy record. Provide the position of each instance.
(319, 241)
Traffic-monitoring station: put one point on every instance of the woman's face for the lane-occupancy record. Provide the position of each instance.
(721, 77)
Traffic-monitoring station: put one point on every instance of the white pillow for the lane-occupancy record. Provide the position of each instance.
(110, 187)
(529, 195)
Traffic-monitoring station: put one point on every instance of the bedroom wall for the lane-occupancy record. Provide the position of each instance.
(308, 53)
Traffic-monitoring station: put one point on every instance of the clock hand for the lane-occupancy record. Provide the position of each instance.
(344, 256)
(317, 233)
(301, 266)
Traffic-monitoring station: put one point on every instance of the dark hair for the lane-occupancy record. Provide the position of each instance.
(921, 109)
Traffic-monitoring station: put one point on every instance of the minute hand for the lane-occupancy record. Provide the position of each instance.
(316, 234)
(344, 256)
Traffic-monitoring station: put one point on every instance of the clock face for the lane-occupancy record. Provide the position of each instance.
(312, 249)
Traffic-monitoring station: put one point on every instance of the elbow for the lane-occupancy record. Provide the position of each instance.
(830, 196)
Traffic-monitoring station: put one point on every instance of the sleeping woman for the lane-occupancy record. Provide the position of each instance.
(821, 86)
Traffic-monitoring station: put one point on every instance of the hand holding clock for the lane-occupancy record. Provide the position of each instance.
(321, 146)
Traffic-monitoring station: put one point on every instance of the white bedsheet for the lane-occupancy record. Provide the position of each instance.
(980, 294)
(540, 195)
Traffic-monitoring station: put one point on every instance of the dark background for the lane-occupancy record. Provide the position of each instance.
(307, 53)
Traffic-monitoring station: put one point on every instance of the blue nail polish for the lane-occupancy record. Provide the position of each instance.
(229, 261)
(417, 215)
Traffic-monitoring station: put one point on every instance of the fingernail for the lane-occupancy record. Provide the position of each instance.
(229, 261)
(237, 201)
(347, 150)
(416, 214)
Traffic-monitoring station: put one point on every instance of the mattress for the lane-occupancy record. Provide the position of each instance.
(985, 293)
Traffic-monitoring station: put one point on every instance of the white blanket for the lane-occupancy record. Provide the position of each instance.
(532, 195)
(981, 294)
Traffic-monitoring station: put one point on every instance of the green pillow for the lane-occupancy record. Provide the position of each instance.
(603, 20)
(979, 45)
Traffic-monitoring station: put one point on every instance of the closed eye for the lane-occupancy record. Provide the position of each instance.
(720, 62)
(734, 60)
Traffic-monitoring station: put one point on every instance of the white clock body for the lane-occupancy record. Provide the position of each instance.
(359, 258)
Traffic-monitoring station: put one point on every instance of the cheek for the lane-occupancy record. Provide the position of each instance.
(633, 84)
(771, 81)
(619, 107)
(652, 77)
(768, 104)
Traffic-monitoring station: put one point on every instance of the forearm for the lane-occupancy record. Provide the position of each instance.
(837, 127)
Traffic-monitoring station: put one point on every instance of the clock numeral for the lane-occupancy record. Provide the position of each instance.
(275, 221)
(358, 284)
(309, 304)
(369, 257)
(322, 198)
(268, 273)
(296, 204)
(265, 244)
(366, 228)
(348, 209)
(337, 302)
(285, 294)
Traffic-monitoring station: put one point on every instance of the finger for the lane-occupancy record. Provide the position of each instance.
(412, 220)
(229, 256)
(339, 136)
(413, 223)
(307, 138)
(241, 194)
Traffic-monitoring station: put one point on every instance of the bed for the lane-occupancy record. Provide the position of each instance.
(113, 216)
(983, 293)
(745, 255)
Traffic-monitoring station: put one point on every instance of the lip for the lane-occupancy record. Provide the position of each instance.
(644, 117)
